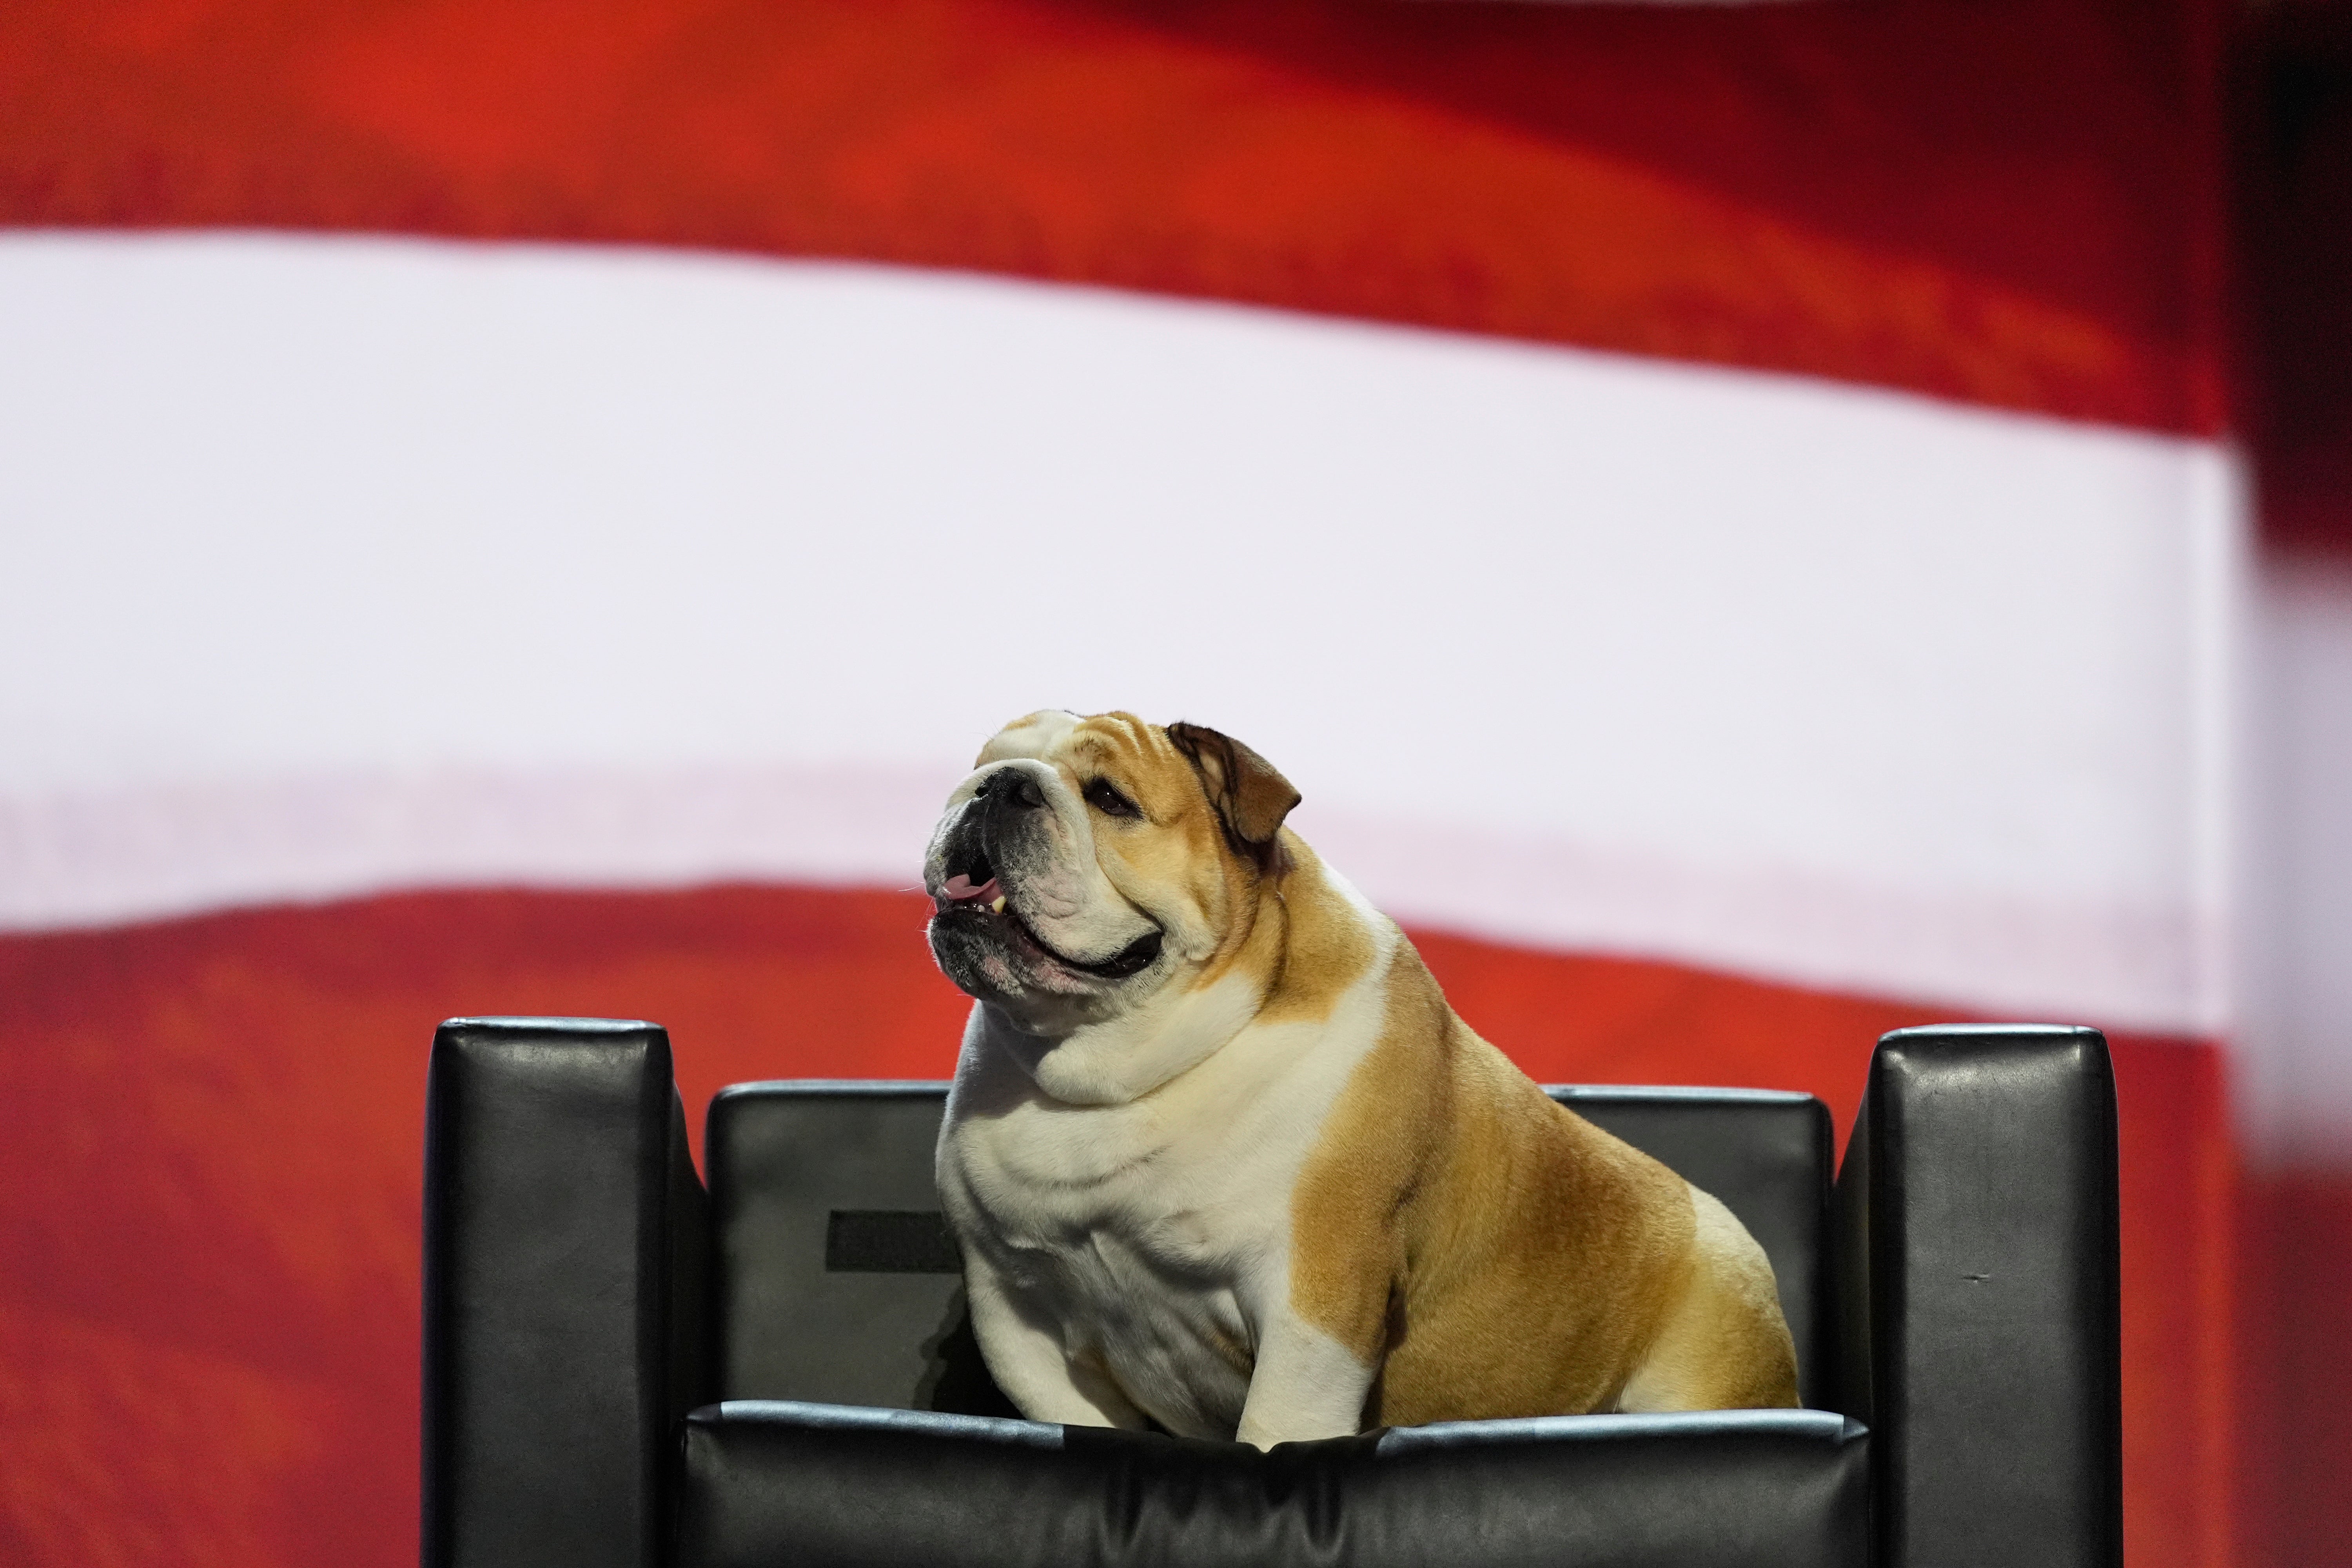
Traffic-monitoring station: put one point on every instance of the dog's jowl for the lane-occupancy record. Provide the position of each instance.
(1220, 1156)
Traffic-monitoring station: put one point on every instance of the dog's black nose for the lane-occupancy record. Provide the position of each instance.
(1015, 787)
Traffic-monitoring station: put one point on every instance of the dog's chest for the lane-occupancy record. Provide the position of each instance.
(1146, 1245)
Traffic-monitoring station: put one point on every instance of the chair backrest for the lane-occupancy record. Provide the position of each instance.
(836, 1279)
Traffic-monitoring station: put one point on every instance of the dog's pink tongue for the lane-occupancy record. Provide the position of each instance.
(960, 890)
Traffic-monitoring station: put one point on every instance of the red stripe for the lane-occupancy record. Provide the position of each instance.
(2298, 1288)
(2011, 205)
(208, 1256)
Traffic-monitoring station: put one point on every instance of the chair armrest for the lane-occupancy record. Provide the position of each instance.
(1978, 1289)
(565, 1241)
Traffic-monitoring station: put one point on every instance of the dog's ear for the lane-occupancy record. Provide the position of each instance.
(1251, 798)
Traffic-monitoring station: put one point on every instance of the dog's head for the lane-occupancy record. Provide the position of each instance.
(1088, 865)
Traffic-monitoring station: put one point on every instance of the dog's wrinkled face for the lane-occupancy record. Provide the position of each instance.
(1088, 863)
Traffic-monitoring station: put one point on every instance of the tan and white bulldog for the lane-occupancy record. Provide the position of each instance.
(1220, 1155)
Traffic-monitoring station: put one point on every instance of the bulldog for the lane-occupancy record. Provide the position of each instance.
(1220, 1156)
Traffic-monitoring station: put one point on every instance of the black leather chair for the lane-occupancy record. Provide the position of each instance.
(620, 1369)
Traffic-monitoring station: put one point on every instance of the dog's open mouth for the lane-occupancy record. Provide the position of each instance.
(960, 890)
(975, 893)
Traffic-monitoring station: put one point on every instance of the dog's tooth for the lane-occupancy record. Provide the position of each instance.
(998, 907)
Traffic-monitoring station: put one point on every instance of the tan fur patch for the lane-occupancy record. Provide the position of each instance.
(1326, 946)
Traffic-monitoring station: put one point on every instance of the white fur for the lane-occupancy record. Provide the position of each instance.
(1309, 1385)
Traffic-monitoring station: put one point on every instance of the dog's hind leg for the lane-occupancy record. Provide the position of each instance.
(1723, 1345)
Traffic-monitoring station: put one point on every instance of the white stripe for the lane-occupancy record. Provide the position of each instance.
(2219, 619)
(95, 858)
(2298, 930)
(2113, 965)
(287, 510)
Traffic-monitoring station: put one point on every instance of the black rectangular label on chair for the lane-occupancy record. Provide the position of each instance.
(890, 1241)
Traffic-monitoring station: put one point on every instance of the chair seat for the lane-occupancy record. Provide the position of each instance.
(770, 1481)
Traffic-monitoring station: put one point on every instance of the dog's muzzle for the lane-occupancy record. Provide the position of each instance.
(974, 893)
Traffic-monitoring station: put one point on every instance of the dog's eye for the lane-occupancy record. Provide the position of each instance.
(1103, 797)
